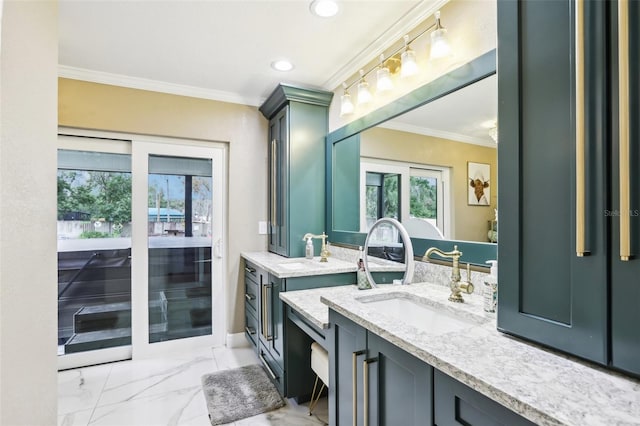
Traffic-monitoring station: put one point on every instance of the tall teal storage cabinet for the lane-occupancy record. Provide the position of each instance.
(298, 125)
(562, 281)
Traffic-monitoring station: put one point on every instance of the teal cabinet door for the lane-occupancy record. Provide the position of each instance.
(547, 293)
(625, 284)
(347, 344)
(278, 172)
(399, 386)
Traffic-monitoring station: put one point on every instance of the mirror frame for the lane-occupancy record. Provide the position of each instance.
(476, 253)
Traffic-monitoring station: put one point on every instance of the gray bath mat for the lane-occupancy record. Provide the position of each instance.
(239, 393)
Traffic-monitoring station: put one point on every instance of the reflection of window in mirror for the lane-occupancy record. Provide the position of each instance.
(417, 195)
(382, 196)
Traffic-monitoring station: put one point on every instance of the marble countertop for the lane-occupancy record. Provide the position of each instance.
(288, 267)
(545, 387)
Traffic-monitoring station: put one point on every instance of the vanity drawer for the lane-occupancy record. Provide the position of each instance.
(251, 272)
(457, 404)
(251, 296)
(273, 369)
(251, 328)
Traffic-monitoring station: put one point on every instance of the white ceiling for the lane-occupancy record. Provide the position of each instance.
(222, 49)
(465, 115)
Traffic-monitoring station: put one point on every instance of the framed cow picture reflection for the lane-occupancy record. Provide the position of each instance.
(478, 184)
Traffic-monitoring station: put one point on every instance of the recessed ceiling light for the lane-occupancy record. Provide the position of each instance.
(324, 8)
(282, 65)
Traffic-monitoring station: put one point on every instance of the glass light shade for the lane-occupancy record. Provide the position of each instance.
(364, 94)
(408, 64)
(383, 82)
(346, 106)
(493, 133)
(439, 44)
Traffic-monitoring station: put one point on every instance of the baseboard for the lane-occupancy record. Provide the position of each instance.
(237, 340)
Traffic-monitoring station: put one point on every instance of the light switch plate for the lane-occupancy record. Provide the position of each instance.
(262, 227)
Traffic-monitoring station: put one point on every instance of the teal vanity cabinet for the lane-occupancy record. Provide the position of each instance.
(369, 374)
(283, 349)
(298, 125)
(562, 280)
(394, 387)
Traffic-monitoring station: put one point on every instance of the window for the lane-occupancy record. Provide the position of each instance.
(417, 195)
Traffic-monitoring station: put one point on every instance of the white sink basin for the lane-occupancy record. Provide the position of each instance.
(419, 315)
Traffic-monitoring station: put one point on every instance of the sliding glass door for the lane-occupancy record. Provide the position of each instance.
(181, 258)
(140, 248)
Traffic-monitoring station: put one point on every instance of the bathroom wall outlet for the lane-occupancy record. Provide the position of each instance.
(262, 227)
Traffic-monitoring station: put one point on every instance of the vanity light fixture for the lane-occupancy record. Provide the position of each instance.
(383, 77)
(324, 8)
(403, 59)
(364, 94)
(346, 105)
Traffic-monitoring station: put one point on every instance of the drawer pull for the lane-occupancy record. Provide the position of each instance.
(249, 270)
(250, 330)
(249, 297)
(623, 111)
(266, 365)
(354, 385)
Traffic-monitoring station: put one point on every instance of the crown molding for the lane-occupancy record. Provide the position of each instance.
(121, 80)
(438, 134)
(404, 25)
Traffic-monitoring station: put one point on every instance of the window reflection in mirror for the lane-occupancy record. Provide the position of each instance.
(414, 167)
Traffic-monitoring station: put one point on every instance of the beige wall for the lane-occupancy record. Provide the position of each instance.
(470, 221)
(28, 310)
(111, 108)
(471, 26)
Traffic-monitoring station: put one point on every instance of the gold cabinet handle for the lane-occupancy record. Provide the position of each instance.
(250, 330)
(354, 385)
(623, 123)
(249, 297)
(581, 249)
(365, 384)
(249, 270)
(274, 175)
(263, 312)
(267, 311)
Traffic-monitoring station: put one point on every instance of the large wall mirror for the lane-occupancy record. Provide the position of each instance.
(429, 160)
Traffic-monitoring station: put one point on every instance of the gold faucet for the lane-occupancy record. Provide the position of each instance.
(324, 253)
(455, 284)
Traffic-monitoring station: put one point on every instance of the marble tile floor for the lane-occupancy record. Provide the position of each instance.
(163, 391)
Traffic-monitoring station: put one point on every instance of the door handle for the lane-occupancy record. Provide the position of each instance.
(581, 249)
(365, 384)
(623, 123)
(354, 385)
(217, 249)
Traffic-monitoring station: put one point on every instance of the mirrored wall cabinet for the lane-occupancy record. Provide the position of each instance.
(298, 124)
